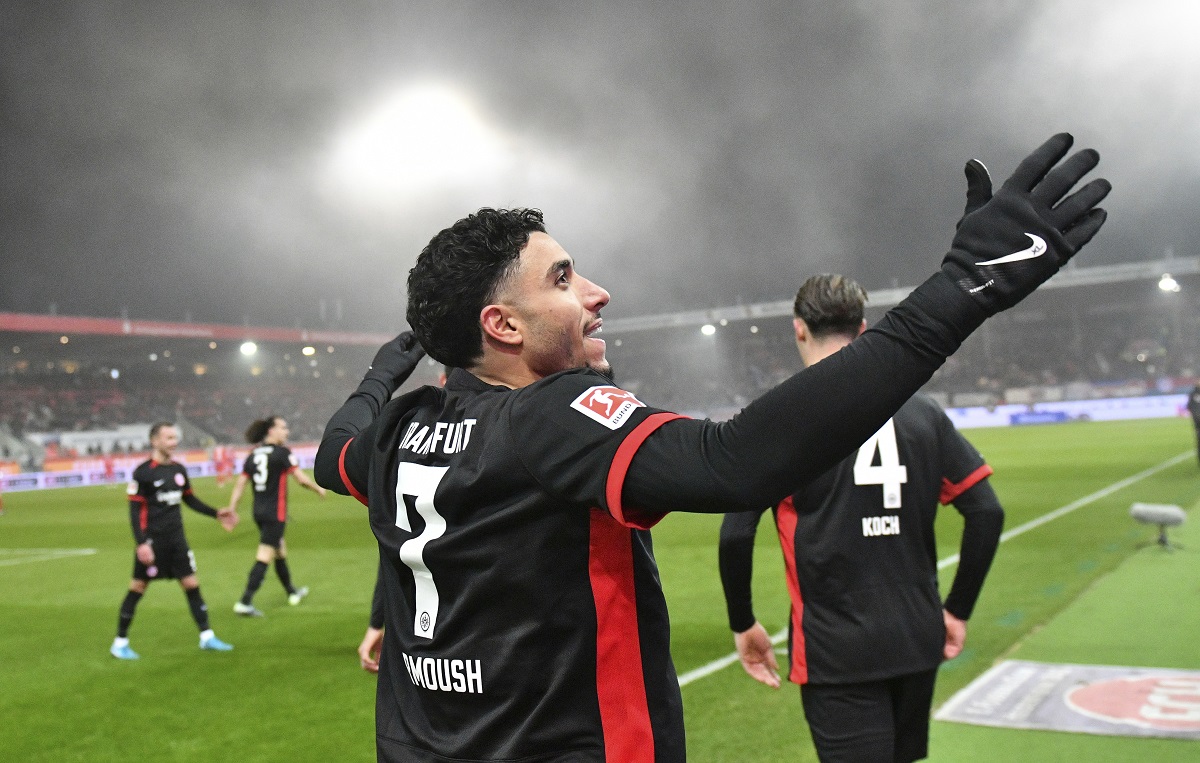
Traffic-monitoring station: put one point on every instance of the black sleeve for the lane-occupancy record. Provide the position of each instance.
(352, 425)
(808, 423)
(735, 558)
(377, 602)
(137, 502)
(195, 504)
(983, 521)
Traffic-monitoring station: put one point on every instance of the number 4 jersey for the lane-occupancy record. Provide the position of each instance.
(861, 558)
(524, 622)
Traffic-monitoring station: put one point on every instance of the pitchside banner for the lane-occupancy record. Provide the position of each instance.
(1090, 699)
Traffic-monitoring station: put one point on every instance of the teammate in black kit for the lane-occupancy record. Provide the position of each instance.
(524, 615)
(868, 629)
(155, 492)
(268, 467)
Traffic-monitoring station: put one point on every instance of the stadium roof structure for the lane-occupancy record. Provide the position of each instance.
(1068, 277)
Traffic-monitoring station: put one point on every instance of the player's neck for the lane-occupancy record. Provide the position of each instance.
(161, 457)
(818, 351)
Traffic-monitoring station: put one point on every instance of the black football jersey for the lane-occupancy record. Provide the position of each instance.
(155, 493)
(268, 467)
(860, 551)
(525, 618)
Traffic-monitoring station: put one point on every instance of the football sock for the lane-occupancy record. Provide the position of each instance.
(127, 609)
(198, 607)
(257, 573)
(285, 575)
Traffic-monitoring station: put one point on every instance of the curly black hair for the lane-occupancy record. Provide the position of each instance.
(460, 271)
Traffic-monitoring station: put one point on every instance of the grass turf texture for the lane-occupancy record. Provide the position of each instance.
(292, 689)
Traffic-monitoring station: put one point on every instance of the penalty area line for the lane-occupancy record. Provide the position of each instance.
(724, 662)
(13, 556)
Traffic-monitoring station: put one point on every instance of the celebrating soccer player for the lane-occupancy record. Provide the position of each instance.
(524, 615)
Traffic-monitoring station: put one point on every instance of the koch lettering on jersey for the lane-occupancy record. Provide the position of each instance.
(447, 437)
(873, 526)
(610, 406)
(441, 674)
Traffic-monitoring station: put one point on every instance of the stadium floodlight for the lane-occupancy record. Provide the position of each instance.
(310, 350)
(249, 348)
(708, 329)
(423, 136)
(1168, 283)
(1162, 514)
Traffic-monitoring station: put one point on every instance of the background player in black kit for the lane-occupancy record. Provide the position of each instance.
(268, 467)
(158, 486)
(524, 615)
(868, 628)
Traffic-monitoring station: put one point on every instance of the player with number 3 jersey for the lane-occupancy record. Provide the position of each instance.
(267, 468)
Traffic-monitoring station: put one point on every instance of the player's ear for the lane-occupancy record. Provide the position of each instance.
(801, 329)
(498, 325)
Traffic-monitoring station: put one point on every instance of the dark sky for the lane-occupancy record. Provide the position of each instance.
(189, 160)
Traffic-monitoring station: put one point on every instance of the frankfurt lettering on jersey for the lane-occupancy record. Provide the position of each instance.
(451, 437)
(881, 525)
(439, 674)
(610, 406)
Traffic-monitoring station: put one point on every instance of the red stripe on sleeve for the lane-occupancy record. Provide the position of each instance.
(620, 684)
(143, 512)
(620, 467)
(785, 523)
(952, 490)
(346, 477)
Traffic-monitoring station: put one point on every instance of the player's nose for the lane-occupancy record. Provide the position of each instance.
(594, 295)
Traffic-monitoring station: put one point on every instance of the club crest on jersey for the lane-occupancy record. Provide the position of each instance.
(610, 406)
(179, 480)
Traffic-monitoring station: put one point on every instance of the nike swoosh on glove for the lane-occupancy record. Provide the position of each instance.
(396, 360)
(1010, 243)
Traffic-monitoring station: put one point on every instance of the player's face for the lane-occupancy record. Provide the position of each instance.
(166, 440)
(557, 309)
(278, 433)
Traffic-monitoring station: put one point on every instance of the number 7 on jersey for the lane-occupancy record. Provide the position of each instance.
(420, 482)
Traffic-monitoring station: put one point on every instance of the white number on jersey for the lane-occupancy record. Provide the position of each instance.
(890, 473)
(260, 471)
(420, 482)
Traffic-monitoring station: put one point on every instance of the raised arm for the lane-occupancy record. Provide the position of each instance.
(1005, 247)
(392, 366)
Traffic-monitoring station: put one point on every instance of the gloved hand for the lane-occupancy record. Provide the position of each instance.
(1009, 244)
(396, 360)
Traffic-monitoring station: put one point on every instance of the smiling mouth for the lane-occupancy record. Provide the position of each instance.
(594, 330)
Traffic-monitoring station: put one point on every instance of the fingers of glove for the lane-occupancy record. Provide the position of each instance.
(979, 186)
(1035, 166)
(1077, 204)
(1082, 232)
(1062, 178)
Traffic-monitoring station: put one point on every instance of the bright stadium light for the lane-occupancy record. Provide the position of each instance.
(421, 138)
(708, 329)
(249, 348)
(309, 350)
(1167, 283)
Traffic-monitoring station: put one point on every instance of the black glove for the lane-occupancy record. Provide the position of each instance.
(1009, 244)
(396, 360)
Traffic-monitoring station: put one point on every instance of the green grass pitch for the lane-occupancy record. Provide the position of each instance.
(1071, 590)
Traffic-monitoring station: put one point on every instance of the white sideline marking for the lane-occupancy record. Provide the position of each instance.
(729, 659)
(28, 555)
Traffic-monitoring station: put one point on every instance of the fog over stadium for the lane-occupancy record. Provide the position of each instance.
(283, 163)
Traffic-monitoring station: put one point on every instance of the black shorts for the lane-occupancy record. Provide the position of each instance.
(270, 531)
(172, 559)
(873, 722)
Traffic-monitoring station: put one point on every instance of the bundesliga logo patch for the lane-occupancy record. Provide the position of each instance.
(610, 406)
